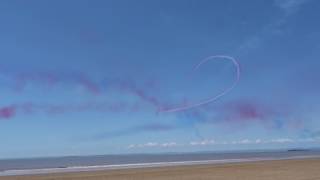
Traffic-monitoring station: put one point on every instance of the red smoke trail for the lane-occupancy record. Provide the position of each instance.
(246, 111)
(243, 113)
(214, 98)
(7, 112)
(130, 86)
(48, 79)
(22, 79)
(89, 85)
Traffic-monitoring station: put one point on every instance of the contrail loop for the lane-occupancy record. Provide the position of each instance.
(211, 99)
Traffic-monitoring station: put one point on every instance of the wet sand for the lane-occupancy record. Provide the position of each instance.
(303, 169)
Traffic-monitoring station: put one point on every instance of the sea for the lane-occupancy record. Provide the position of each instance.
(28, 166)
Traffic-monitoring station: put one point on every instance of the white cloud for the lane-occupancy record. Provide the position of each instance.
(171, 144)
(149, 144)
(131, 146)
(211, 142)
(153, 144)
(202, 143)
(282, 140)
(290, 6)
(246, 141)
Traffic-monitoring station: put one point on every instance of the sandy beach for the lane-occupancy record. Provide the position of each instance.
(303, 169)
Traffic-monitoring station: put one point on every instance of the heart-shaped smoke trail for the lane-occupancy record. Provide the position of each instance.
(214, 98)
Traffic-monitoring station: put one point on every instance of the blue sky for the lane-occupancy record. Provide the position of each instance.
(88, 77)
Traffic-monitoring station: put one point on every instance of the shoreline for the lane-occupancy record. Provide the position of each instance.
(90, 169)
(294, 169)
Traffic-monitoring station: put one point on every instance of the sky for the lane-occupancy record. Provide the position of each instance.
(84, 77)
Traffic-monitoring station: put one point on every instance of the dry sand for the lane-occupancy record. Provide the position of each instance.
(307, 169)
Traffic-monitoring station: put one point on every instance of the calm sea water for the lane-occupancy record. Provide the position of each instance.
(102, 160)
